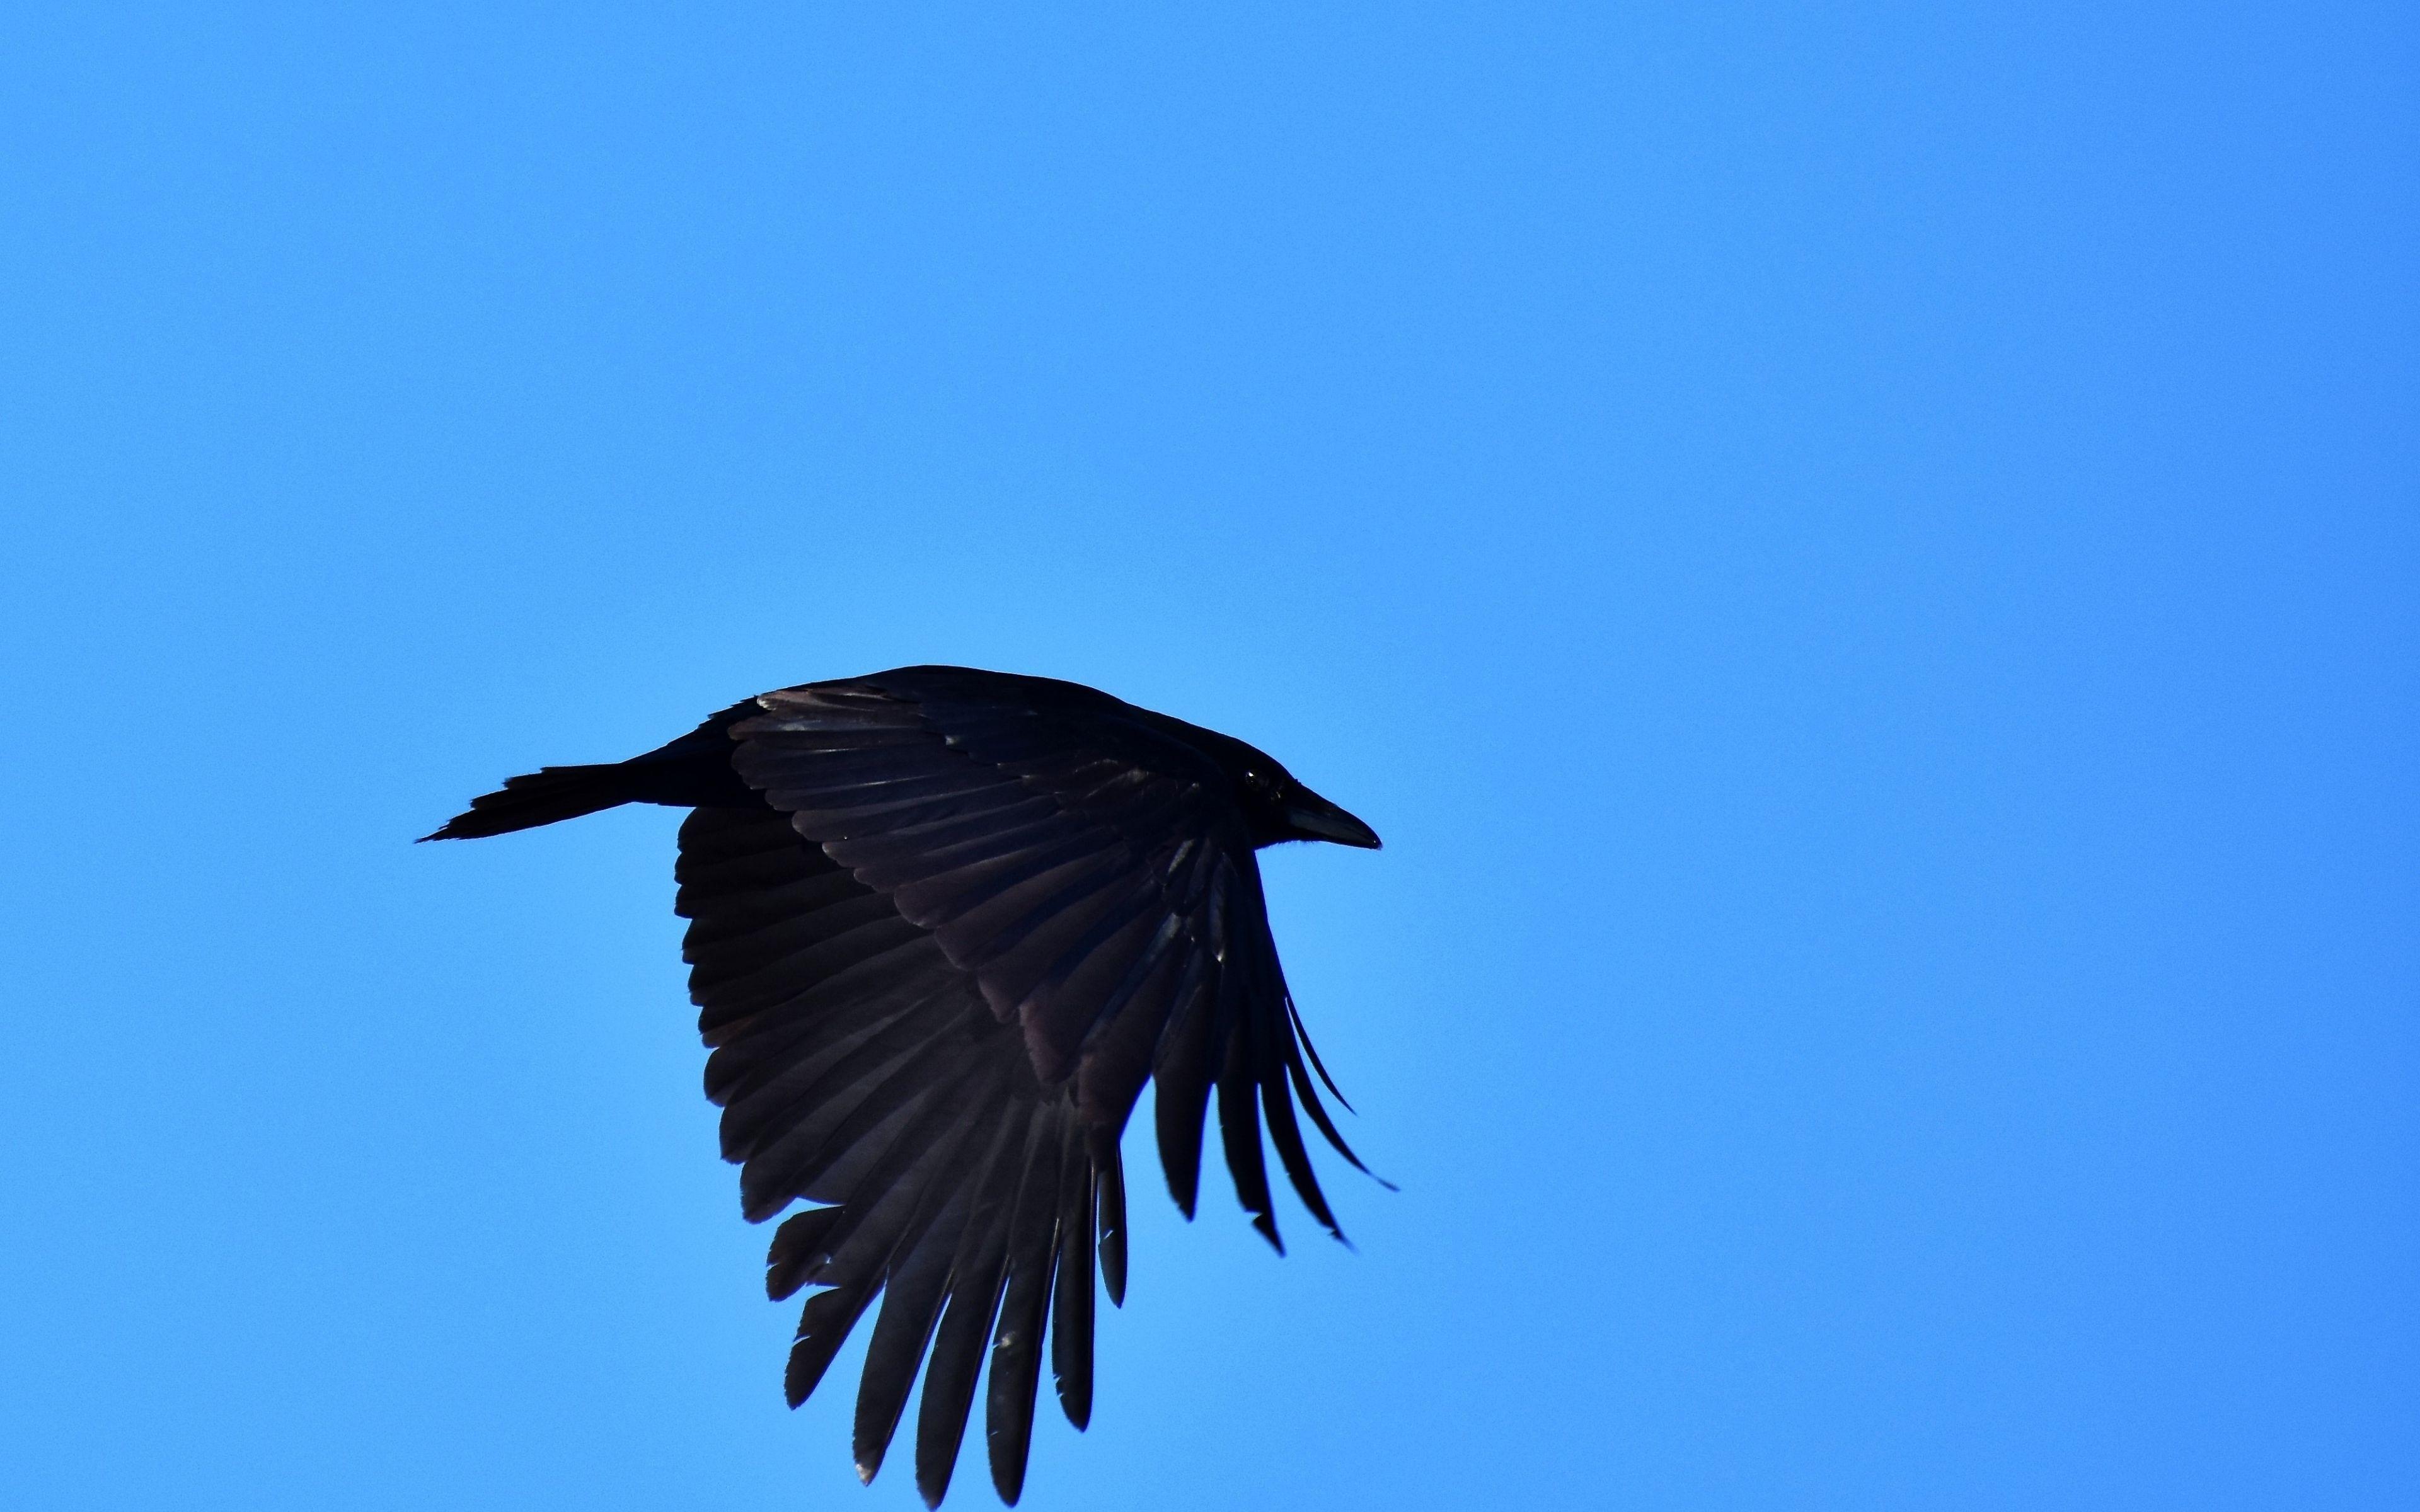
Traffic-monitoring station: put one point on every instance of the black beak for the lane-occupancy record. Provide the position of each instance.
(1313, 817)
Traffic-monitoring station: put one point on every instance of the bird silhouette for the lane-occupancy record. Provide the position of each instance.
(944, 924)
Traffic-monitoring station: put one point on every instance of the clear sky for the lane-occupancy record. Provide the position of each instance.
(1862, 557)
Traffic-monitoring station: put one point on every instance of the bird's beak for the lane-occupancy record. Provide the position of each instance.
(1313, 817)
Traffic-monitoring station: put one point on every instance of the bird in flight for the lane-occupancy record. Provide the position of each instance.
(943, 925)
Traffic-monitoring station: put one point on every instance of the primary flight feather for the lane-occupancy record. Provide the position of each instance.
(944, 924)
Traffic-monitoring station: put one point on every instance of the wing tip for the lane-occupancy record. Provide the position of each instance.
(1265, 1224)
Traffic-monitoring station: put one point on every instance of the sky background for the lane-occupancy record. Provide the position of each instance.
(1862, 557)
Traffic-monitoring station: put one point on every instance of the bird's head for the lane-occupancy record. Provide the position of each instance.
(1281, 809)
(1275, 805)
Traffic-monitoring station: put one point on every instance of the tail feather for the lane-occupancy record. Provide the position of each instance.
(542, 797)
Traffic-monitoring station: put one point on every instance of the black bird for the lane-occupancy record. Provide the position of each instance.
(943, 925)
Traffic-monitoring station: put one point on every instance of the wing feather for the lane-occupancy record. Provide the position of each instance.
(1071, 1327)
(975, 1280)
(1016, 1339)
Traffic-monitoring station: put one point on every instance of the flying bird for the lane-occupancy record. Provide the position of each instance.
(943, 925)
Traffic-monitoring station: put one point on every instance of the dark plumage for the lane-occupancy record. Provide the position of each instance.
(944, 924)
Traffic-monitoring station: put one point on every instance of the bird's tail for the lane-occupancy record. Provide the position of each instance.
(542, 797)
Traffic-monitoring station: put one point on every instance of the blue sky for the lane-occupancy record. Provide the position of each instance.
(1862, 557)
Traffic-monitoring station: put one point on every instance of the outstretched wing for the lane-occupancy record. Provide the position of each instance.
(857, 1067)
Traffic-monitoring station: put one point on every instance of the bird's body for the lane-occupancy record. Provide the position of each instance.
(944, 924)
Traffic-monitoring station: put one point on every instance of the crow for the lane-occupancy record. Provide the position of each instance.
(944, 924)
